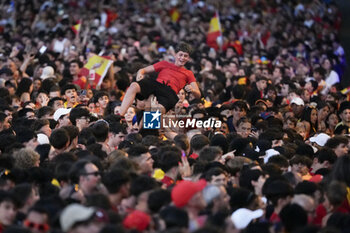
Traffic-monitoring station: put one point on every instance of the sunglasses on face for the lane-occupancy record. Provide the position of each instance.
(32, 225)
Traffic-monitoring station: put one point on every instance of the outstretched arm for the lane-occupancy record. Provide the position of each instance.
(143, 71)
(194, 89)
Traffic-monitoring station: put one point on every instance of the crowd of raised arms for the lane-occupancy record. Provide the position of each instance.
(76, 154)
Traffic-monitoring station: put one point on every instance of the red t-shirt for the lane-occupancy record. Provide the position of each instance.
(173, 76)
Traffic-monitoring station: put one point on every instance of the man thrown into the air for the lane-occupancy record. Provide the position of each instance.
(172, 77)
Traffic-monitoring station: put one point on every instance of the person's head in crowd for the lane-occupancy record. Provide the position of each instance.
(158, 199)
(24, 89)
(8, 111)
(100, 130)
(197, 143)
(274, 136)
(174, 217)
(182, 141)
(339, 144)
(239, 110)
(76, 218)
(311, 86)
(54, 92)
(45, 112)
(8, 209)
(307, 203)
(61, 116)
(244, 127)
(56, 103)
(26, 113)
(277, 74)
(80, 117)
(27, 195)
(42, 126)
(344, 113)
(211, 153)
(188, 195)
(27, 137)
(116, 135)
(140, 154)
(86, 175)
(216, 176)
(279, 193)
(309, 116)
(300, 164)
(59, 139)
(37, 220)
(117, 182)
(331, 122)
(280, 161)
(297, 105)
(73, 133)
(4, 121)
(311, 189)
(26, 158)
(319, 74)
(169, 163)
(69, 92)
(101, 100)
(290, 123)
(216, 198)
(341, 170)
(261, 83)
(323, 111)
(253, 180)
(324, 159)
(335, 194)
(293, 217)
(41, 99)
(74, 68)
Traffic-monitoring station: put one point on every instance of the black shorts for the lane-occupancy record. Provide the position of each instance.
(165, 95)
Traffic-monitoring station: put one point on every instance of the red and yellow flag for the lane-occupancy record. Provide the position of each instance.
(76, 27)
(174, 15)
(214, 32)
(98, 66)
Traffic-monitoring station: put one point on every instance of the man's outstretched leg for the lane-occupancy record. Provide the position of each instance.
(129, 97)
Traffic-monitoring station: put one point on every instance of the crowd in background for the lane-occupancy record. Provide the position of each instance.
(69, 162)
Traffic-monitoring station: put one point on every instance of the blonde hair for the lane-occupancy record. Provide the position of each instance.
(26, 158)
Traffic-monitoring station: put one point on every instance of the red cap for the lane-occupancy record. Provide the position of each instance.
(185, 190)
(137, 220)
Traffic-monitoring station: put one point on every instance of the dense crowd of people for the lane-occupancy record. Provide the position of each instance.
(76, 155)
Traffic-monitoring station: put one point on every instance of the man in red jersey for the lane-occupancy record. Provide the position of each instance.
(171, 79)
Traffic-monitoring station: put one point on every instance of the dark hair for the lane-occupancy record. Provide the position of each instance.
(277, 189)
(168, 160)
(142, 184)
(99, 95)
(77, 169)
(210, 153)
(157, 199)
(341, 170)
(59, 138)
(247, 176)
(198, 142)
(76, 113)
(67, 87)
(38, 124)
(184, 47)
(240, 105)
(72, 131)
(117, 128)
(293, 216)
(44, 111)
(80, 64)
(336, 141)
(115, 179)
(23, 86)
(137, 150)
(52, 101)
(174, 217)
(100, 131)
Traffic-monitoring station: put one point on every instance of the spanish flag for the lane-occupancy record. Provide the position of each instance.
(99, 65)
(76, 27)
(174, 15)
(214, 32)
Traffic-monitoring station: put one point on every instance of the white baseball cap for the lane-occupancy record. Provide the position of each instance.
(60, 112)
(298, 101)
(242, 217)
(73, 214)
(48, 72)
(320, 139)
